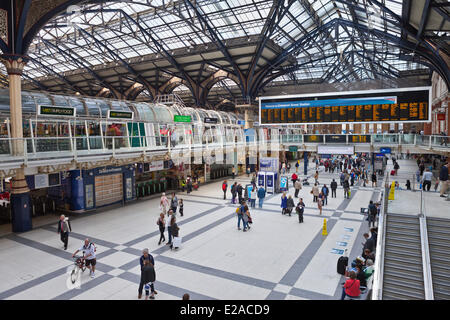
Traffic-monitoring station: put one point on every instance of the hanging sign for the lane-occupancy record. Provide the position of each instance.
(127, 115)
(56, 111)
(178, 118)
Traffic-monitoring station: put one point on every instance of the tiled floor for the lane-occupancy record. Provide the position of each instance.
(277, 259)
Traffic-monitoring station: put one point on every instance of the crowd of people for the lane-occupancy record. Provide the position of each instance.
(362, 267)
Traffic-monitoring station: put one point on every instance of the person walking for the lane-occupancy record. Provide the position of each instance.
(320, 200)
(88, 250)
(63, 229)
(175, 229)
(169, 229)
(333, 186)
(294, 178)
(181, 205)
(239, 192)
(325, 192)
(233, 192)
(161, 222)
(396, 167)
(346, 189)
(426, 180)
(283, 203)
(374, 179)
(290, 205)
(315, 192)
(443, 179)
(164, 203)
(224, 189)
(148, 277)
(372, 213)
(261, 196)
(298, 187)
(253, 196)
(342, 178)
(145, 256)
(246, 218)
(174, 203)
(316, 177)
(233, 172)
(297, 164)
(240, 214)
(300, 209)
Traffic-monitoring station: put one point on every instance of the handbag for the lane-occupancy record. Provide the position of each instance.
(176, 242)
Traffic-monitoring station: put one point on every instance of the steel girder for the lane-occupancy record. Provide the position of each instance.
(428, 53)
(83, 64)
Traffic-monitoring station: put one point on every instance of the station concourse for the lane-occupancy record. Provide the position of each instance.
(109, 108)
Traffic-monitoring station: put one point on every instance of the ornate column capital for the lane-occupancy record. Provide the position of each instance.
(14, 63)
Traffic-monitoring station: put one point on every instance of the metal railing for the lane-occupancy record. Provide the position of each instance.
(377, 287)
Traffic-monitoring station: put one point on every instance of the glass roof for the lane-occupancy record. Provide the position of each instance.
(117, 31)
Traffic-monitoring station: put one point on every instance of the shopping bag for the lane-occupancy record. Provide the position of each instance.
(176, 242)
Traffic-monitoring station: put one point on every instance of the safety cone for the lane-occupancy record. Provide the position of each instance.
(324, 230)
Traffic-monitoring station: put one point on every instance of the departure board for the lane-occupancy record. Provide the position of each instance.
(389, 105)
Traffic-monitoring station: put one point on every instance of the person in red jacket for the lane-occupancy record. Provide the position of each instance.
(351, 287)
(224, 189)
(294, 178)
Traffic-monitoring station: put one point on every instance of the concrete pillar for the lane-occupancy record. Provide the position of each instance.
(248, 119)
(20, 194)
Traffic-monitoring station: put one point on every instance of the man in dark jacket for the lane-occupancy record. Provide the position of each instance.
(333, 186)
(443, 178)
(149, 257)
(233, 191)
(369, 244)
(148, 277)
(261, 196)
(239, 192)
(325, 193)
(63, 229)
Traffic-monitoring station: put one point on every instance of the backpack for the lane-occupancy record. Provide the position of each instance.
(224, 186)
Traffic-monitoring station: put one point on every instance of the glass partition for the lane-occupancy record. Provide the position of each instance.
(145, 112)
(162, 113)
(93, 108)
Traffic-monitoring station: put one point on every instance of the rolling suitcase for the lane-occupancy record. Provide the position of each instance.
(342, 264)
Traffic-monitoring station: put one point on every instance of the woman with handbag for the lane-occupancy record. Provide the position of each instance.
(246, 218)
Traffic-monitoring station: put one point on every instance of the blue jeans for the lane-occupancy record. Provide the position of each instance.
(252, 203)
(344, 294)
(240, 217)
(261, 200)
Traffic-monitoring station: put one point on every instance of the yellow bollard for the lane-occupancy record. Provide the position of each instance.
(324, 230)
(392, 191)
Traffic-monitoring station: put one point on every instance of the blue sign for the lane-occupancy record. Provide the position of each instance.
(348, 229)
(261, 179)
(329, 102)
(337, 251)
(241, 122)
(385, 150)
(341, 244)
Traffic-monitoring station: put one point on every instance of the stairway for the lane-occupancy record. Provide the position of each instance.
(403, 272)
(439, 244)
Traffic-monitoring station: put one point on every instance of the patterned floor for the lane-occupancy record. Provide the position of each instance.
(277, 259)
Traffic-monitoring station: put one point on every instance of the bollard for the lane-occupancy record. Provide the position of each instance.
(324, 229)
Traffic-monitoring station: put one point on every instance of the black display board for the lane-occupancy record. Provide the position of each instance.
(389, 105)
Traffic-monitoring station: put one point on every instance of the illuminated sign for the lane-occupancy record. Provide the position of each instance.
(128, 115)
(56, 111)
(387, 105)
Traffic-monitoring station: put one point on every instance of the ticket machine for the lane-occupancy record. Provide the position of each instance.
(262, 179)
